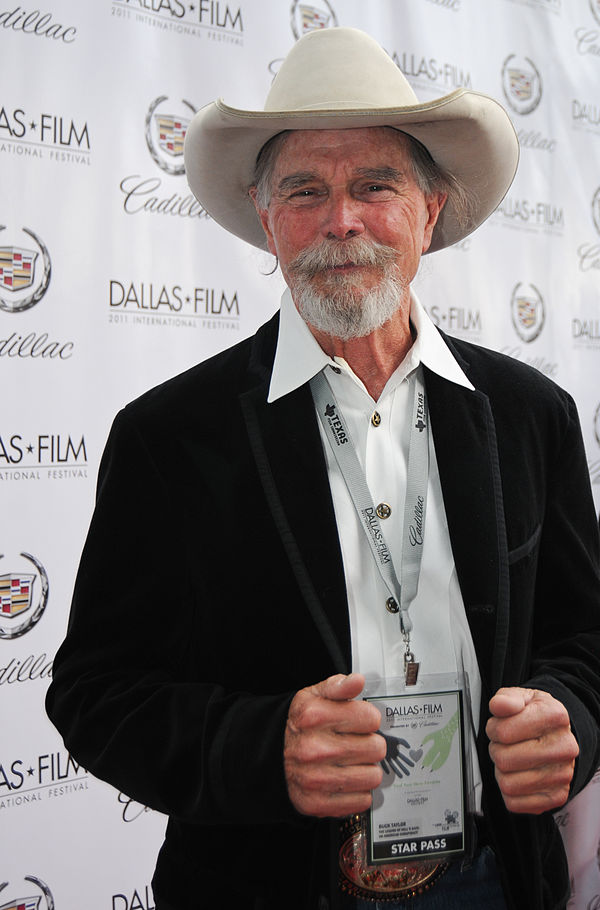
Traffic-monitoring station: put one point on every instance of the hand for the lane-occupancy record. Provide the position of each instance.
(533, 749)
(331, 749)
(394, 759)
(441, 743)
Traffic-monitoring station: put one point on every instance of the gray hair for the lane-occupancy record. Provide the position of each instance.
(430, 176)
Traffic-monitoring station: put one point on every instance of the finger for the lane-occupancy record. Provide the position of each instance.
(440, 760)
(536, 791)
(333, 749)
(510, 700)
(340, 687)
(551, 750)
(332, 791)
(331, 805)
(334, 779)
(399, 767)
(541, 716)
(310, 711)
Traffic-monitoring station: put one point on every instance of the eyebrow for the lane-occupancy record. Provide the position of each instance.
(389, 174)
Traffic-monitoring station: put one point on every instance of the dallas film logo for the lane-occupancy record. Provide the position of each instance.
(44, 135)
(141, 899)
(213, 20)
(530, 215)
(162, 304)
(165, 129)
(55, 456)
(521, 84)
(460, 321)
(430, 73)
(33, 901)
(24, 276)
(51, 775)
(527, 311)
(23, 595)
(585, 115)
(306, 17)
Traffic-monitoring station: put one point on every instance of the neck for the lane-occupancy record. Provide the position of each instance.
(374, 357)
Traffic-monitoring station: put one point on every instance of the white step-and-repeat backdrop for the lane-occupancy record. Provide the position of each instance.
(112, 278)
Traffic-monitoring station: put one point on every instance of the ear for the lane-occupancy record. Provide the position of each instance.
(263, 214)
(434, 205)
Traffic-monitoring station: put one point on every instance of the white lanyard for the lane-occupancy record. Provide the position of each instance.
(402, 592)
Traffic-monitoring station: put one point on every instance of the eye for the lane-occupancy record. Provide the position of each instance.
(305, 195)
(373, 191)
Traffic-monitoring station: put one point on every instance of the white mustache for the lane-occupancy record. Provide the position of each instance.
(326, 254)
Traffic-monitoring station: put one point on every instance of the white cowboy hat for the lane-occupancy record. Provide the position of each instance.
(340, 78)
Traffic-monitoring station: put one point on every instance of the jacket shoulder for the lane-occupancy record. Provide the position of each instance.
(502, 377)
(209, 385)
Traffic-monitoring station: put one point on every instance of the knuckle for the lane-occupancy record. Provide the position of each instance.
(501, 759)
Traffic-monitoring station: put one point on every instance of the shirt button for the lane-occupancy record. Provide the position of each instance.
(383, 510)
(376, 418)
(391, 605)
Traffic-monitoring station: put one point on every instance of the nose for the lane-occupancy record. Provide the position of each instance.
(342, 218)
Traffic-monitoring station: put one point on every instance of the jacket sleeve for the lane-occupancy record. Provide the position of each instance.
(566, 631)
(129, 693)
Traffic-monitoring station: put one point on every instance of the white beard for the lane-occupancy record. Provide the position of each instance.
(340, 309)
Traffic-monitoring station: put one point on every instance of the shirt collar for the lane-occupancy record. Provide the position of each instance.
(299, 357)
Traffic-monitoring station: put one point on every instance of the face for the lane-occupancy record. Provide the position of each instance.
(331, 187)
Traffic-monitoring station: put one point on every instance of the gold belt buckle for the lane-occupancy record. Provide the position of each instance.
(381, 882)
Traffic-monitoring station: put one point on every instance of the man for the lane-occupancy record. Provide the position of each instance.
(226, 697)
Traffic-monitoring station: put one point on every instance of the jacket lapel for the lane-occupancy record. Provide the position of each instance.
(466, 450)
(286, 445)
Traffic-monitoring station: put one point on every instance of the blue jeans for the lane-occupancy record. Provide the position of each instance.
(466, 885)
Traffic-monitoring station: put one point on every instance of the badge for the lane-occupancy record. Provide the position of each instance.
(418, 811)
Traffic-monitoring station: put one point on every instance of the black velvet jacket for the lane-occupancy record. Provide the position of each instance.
(211, 589)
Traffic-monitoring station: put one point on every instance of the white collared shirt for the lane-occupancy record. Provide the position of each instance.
(441, 638)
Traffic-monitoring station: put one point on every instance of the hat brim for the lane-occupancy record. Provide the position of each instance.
(467, 133)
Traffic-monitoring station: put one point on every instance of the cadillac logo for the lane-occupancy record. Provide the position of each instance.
(596, 209)
(307, 17)
(521, 83)
(527, 310)
(165, 131)
(23, 279)
(33, 902)
(23, 597)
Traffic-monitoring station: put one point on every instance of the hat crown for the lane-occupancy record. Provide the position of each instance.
(338, 69)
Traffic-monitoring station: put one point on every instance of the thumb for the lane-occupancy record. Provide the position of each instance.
(510, 700)
(340, 687)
